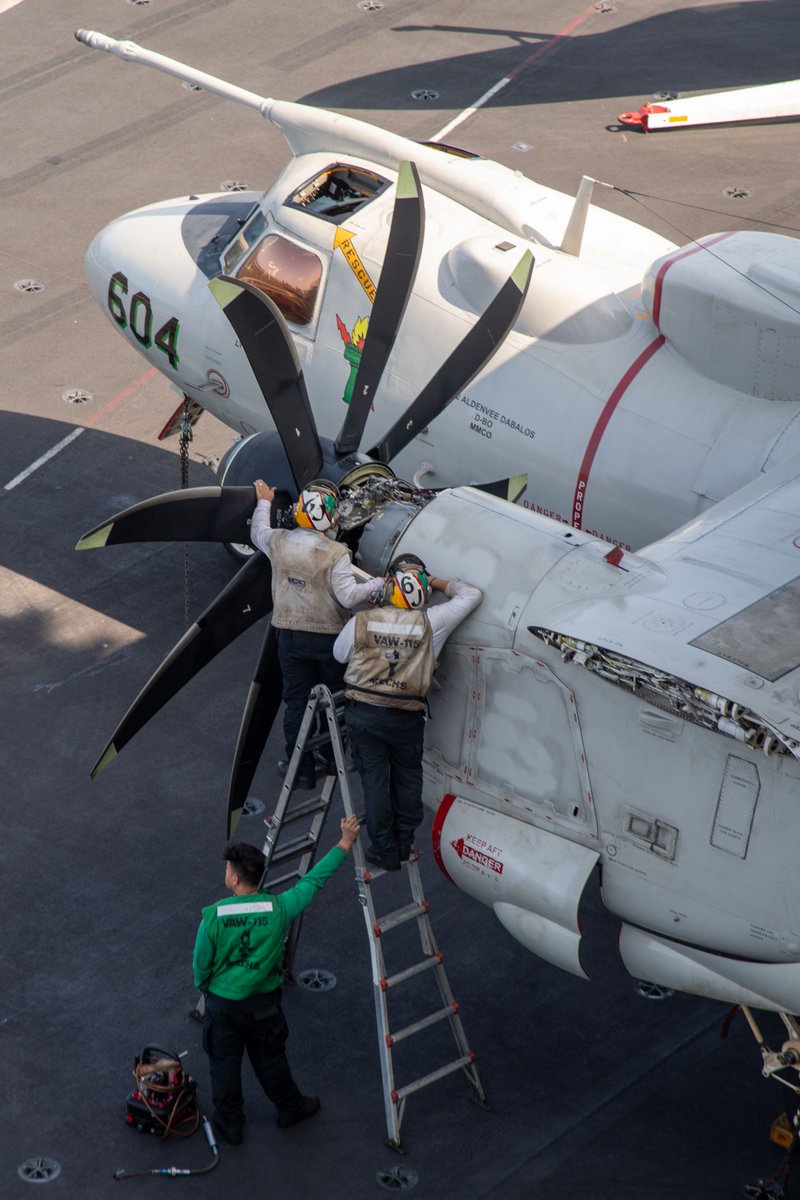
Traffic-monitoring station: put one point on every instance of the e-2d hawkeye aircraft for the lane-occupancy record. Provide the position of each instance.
(604, 719)
(627, 721)
(638, 383)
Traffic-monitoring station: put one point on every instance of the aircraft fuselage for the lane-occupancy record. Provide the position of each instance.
(623, 429)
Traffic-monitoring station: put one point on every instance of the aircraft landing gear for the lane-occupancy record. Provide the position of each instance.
(778, 1064)
(765, 1189)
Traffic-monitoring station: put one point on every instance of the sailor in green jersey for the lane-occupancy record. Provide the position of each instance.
(237, 964)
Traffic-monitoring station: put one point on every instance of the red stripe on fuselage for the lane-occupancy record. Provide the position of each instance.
(665, 266)
(579, 499)
(436, 831)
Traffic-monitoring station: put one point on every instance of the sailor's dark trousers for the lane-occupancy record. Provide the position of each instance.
(257, 1025)
(386, 745)
(306, 659)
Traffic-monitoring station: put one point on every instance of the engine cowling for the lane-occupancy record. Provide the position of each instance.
(737, 326)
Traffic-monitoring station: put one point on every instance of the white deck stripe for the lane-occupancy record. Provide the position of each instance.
(501, 83)
(6, 4)
(23, 475)
(99, 416)
(518, 70)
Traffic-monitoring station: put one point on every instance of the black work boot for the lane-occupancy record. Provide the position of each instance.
(387, 862)
(309, 1105)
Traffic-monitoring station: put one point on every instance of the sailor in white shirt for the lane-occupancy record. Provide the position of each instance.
(391, 656)
(313, 590)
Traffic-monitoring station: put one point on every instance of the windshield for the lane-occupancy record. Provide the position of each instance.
(244, 240)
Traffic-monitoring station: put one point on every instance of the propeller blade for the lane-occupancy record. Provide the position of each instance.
(509, 489)
(205, 514)
(269, 349)
(468, 358)
(394, 288)
(244, 601)
(263, 702)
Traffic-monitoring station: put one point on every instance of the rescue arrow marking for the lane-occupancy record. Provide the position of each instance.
(343, 240)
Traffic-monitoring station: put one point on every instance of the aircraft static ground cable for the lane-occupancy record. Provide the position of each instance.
(121, 1173)
(639, 198)
(719, 212)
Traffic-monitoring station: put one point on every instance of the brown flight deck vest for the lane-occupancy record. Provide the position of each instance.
(302, 561)
(392, 663)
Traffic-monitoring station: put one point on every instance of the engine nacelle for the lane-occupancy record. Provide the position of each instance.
(261, 456)
(767, 985)
(744, 337)
(532, 879)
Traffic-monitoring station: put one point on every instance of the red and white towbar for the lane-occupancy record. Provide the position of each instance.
(772, 102)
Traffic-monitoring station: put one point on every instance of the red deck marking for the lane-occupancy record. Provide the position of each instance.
(552, 43)
(659, 284)
(123, 395)
(579, 499)
(78, 430)
(548, 45)
(436, 832)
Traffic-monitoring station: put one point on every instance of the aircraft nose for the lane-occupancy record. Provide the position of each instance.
(139, 270)
(150, 267)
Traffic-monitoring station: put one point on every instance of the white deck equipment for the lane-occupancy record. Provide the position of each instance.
(770, 102)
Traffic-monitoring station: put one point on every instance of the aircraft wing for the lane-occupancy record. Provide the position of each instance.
(713, 612)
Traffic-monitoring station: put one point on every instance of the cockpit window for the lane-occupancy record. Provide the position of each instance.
(337, 192)
(244, 240)
(289, 274)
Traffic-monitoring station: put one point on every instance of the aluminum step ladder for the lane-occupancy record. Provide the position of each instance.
(289, 811)
(298, 819)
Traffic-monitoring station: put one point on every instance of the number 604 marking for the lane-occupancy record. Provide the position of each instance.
(139, 318)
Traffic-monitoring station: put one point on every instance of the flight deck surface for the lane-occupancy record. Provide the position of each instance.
(598, 1092)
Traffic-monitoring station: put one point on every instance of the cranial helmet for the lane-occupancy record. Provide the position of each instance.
(317, 506)
(412, 584)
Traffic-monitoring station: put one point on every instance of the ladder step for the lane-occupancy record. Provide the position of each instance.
(450, 1011)
(417, 969)
(306, 809)
(293, 848)
(316, 740)
(408, 913)
(457, 1065)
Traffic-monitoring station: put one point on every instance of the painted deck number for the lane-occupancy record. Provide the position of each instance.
(140, 319)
